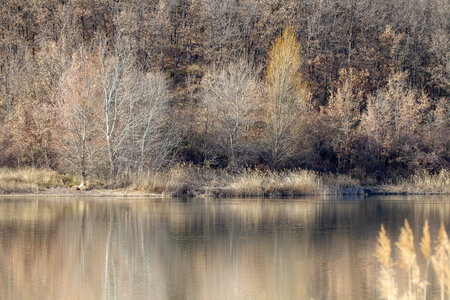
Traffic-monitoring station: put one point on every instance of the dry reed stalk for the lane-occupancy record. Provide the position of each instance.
(408, 261)
(388, 286)
(441, 263)
(425, 247)
(417, 288)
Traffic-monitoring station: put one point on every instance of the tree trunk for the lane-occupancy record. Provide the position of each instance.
(112, 164)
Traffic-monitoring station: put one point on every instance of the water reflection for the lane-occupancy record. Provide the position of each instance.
(160, 249)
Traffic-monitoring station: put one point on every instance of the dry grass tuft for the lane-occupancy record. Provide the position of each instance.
(290, 183)
(29, 180)
(423, 182)
(341, 184)
(180, 180)
(247, 183)
(295, 183)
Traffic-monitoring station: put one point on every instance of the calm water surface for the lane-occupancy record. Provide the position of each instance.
(308, 248)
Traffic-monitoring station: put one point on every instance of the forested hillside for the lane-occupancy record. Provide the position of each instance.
(102, 87)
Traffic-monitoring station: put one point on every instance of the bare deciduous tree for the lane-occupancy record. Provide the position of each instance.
(134, 112)
(123, 89)
(78, 115)
(155, 135)
(395, 117)
(231, 95)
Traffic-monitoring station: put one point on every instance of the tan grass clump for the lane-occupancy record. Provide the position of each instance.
(340, 184)
(300, 182)
(247, 183)
(426, 182)
(422, 182)
(287, 183)
(179, 180)
(28, 180)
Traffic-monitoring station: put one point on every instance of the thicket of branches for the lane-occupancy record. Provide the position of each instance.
(105, 87)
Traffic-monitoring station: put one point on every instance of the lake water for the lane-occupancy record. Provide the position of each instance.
(307, 248)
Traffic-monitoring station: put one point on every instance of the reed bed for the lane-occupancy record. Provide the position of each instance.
(191, 180)
(180, 180)
(290, 183)
(28, 180)
(422, 182)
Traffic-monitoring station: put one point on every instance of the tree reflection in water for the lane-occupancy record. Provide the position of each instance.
(228, 249)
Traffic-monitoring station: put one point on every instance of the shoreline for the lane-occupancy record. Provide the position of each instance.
(218, 193)
(189, 181)
(97, 193)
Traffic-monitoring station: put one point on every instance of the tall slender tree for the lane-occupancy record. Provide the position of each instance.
(77, 111)
(287, 96)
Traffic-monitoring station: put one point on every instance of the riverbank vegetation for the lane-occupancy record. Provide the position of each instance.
(183, 180)
(422, 182)
(190, 180)
(30, 180)
(260, 97)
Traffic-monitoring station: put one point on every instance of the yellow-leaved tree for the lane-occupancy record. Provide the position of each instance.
(287, 95)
